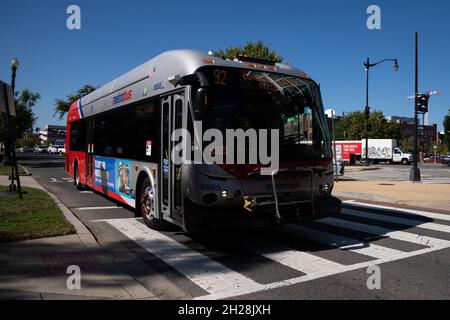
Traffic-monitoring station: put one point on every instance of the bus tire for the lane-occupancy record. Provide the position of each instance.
(146, 205)
(76, 178)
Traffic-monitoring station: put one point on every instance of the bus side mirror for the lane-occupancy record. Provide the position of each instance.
(203, 98)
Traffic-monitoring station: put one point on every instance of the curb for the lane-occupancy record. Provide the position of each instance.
(83, 233)
(365, 196)
(86, 236)
(27, 172)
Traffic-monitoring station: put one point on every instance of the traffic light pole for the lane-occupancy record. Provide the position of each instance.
(366, 115)
(415, 172)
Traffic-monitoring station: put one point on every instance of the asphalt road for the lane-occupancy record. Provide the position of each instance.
(326, 259)
(430, 173)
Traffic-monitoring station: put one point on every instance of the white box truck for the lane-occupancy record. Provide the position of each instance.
(385, 150)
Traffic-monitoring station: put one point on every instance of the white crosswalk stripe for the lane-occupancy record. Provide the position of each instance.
(221, 281)
(343, 243)
(431, 215)
(398, 235)
(403, 221)
(298, 260)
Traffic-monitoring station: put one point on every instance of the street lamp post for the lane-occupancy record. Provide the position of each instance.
(7, 152)
(367, 66)
(10, 139)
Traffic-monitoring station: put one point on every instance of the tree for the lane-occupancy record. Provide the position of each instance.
(62, 106)
(446, 124)
(30, 141)
(351, 127)
(25, 119)
(252, 49)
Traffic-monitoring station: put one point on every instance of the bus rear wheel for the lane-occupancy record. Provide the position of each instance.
(147, 204)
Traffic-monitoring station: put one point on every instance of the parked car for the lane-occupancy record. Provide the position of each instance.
(430, 159)
(446, 160)
(54, 149)
(41, 149)
(25, 150)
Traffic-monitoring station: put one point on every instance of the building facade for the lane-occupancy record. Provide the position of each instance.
(51, 133)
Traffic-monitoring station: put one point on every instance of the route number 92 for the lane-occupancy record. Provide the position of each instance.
(220, 77)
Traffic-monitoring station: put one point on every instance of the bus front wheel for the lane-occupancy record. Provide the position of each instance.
(147, 204)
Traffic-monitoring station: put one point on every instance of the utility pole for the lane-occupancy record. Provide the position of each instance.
(367, 115)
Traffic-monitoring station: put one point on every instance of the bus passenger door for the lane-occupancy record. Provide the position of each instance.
(90, 152)
(170, 173)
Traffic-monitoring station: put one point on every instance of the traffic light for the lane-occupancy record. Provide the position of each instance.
(422, 103)
(367, 112)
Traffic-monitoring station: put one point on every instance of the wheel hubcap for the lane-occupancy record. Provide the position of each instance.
(147, 202)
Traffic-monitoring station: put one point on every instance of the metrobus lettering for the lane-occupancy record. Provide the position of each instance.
(122, 97)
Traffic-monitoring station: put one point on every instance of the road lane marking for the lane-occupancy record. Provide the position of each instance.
(397, 220)
(54, 180)
(430, 215)
(343, 243)
(393, 234)
(298, 260)
(208, 274)
(98, 208)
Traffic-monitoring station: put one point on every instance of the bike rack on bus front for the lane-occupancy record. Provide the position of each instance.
(296, 170)
(276, 201)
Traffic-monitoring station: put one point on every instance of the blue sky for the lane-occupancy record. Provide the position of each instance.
(327, 39)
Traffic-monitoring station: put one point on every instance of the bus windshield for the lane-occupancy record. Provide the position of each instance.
(244, 99)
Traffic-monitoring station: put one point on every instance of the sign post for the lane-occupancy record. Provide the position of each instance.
(7, 106)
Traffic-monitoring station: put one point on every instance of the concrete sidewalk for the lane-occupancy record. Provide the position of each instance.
(427, 196)
(37, 269)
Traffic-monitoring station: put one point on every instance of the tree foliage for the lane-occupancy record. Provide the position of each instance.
(446, 124)
(351, 127)
(25, 119)
(252, 49)
(62, 106)
(30, 141)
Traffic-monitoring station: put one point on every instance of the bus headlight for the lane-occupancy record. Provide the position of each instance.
(324, 188)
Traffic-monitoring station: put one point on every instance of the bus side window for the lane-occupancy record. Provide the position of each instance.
(124, 133)
(78, 135)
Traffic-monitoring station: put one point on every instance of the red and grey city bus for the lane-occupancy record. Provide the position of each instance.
(119, 142)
